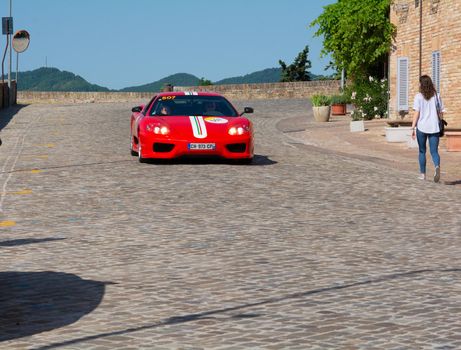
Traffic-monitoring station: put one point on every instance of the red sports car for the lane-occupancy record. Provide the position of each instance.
(175, 124)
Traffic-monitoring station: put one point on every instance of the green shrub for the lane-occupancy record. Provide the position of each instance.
(204, 82)
(370, 98)
(340, 99)
(320, 100)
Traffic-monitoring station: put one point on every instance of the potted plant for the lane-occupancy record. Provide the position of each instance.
(339, 104)
(370, 99)
(357, 124)
(321, 107)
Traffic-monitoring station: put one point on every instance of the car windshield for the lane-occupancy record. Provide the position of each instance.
(175, 105)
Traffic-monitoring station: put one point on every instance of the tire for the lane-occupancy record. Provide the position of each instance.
(133, 153)
(140, 158)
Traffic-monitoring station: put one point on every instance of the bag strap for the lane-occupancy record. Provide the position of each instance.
(437, 106)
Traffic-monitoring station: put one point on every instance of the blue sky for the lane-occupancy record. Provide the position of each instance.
(120, 43)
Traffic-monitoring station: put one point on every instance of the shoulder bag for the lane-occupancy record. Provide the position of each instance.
(442, 122)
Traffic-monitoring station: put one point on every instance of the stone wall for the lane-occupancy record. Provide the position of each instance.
(232, 92)
(81, 97)
(304, 89)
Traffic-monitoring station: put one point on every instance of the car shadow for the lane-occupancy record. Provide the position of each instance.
(263, 160)
(258, 160)
(35, 302)
(7, 114)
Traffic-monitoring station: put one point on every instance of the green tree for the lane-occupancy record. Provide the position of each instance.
(298, 70)
(357, 34)
(204, 82)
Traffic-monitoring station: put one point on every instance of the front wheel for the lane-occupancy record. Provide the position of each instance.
(133, 153)
(140, 158)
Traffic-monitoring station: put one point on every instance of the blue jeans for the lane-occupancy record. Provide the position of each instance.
(433, 147)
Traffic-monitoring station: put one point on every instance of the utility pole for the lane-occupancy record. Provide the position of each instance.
(10, 102)
(342, 79)
(7, 29)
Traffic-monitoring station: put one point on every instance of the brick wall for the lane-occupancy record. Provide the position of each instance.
(232, 92)
(441, 31)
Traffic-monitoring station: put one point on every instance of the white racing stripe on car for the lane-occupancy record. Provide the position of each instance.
(198, 127)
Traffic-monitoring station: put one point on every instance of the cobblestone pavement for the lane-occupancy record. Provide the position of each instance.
(371, 145)
(305, 249)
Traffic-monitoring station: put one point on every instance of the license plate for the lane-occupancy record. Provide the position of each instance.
(202, 146)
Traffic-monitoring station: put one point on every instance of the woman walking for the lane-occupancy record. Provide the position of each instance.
(427, 106)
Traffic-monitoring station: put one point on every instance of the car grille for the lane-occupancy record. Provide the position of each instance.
(236, 147)
(163, 147)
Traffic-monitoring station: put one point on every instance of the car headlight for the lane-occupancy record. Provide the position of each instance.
(157, 129)
(238, 130)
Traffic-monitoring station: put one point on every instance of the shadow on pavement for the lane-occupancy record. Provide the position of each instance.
(35, 302)
(257, 160)
(263, 160)
(8, 113)
(239, 308)
(68, 166)
(17, 242)
(452, 183)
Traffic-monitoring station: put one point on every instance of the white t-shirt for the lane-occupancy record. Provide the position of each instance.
(428, 121)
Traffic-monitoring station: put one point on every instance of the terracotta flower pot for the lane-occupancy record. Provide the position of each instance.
(453, 141)
(338, 109)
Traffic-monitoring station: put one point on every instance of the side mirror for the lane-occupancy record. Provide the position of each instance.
(248, 110)
(137, 109)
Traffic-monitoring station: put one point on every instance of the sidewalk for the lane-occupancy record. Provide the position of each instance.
(336, 136)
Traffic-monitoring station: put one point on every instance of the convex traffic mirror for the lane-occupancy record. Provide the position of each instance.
(21, 40)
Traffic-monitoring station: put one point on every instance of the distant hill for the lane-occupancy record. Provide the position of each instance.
(52, 79)
(270, 75)
(179, 79)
